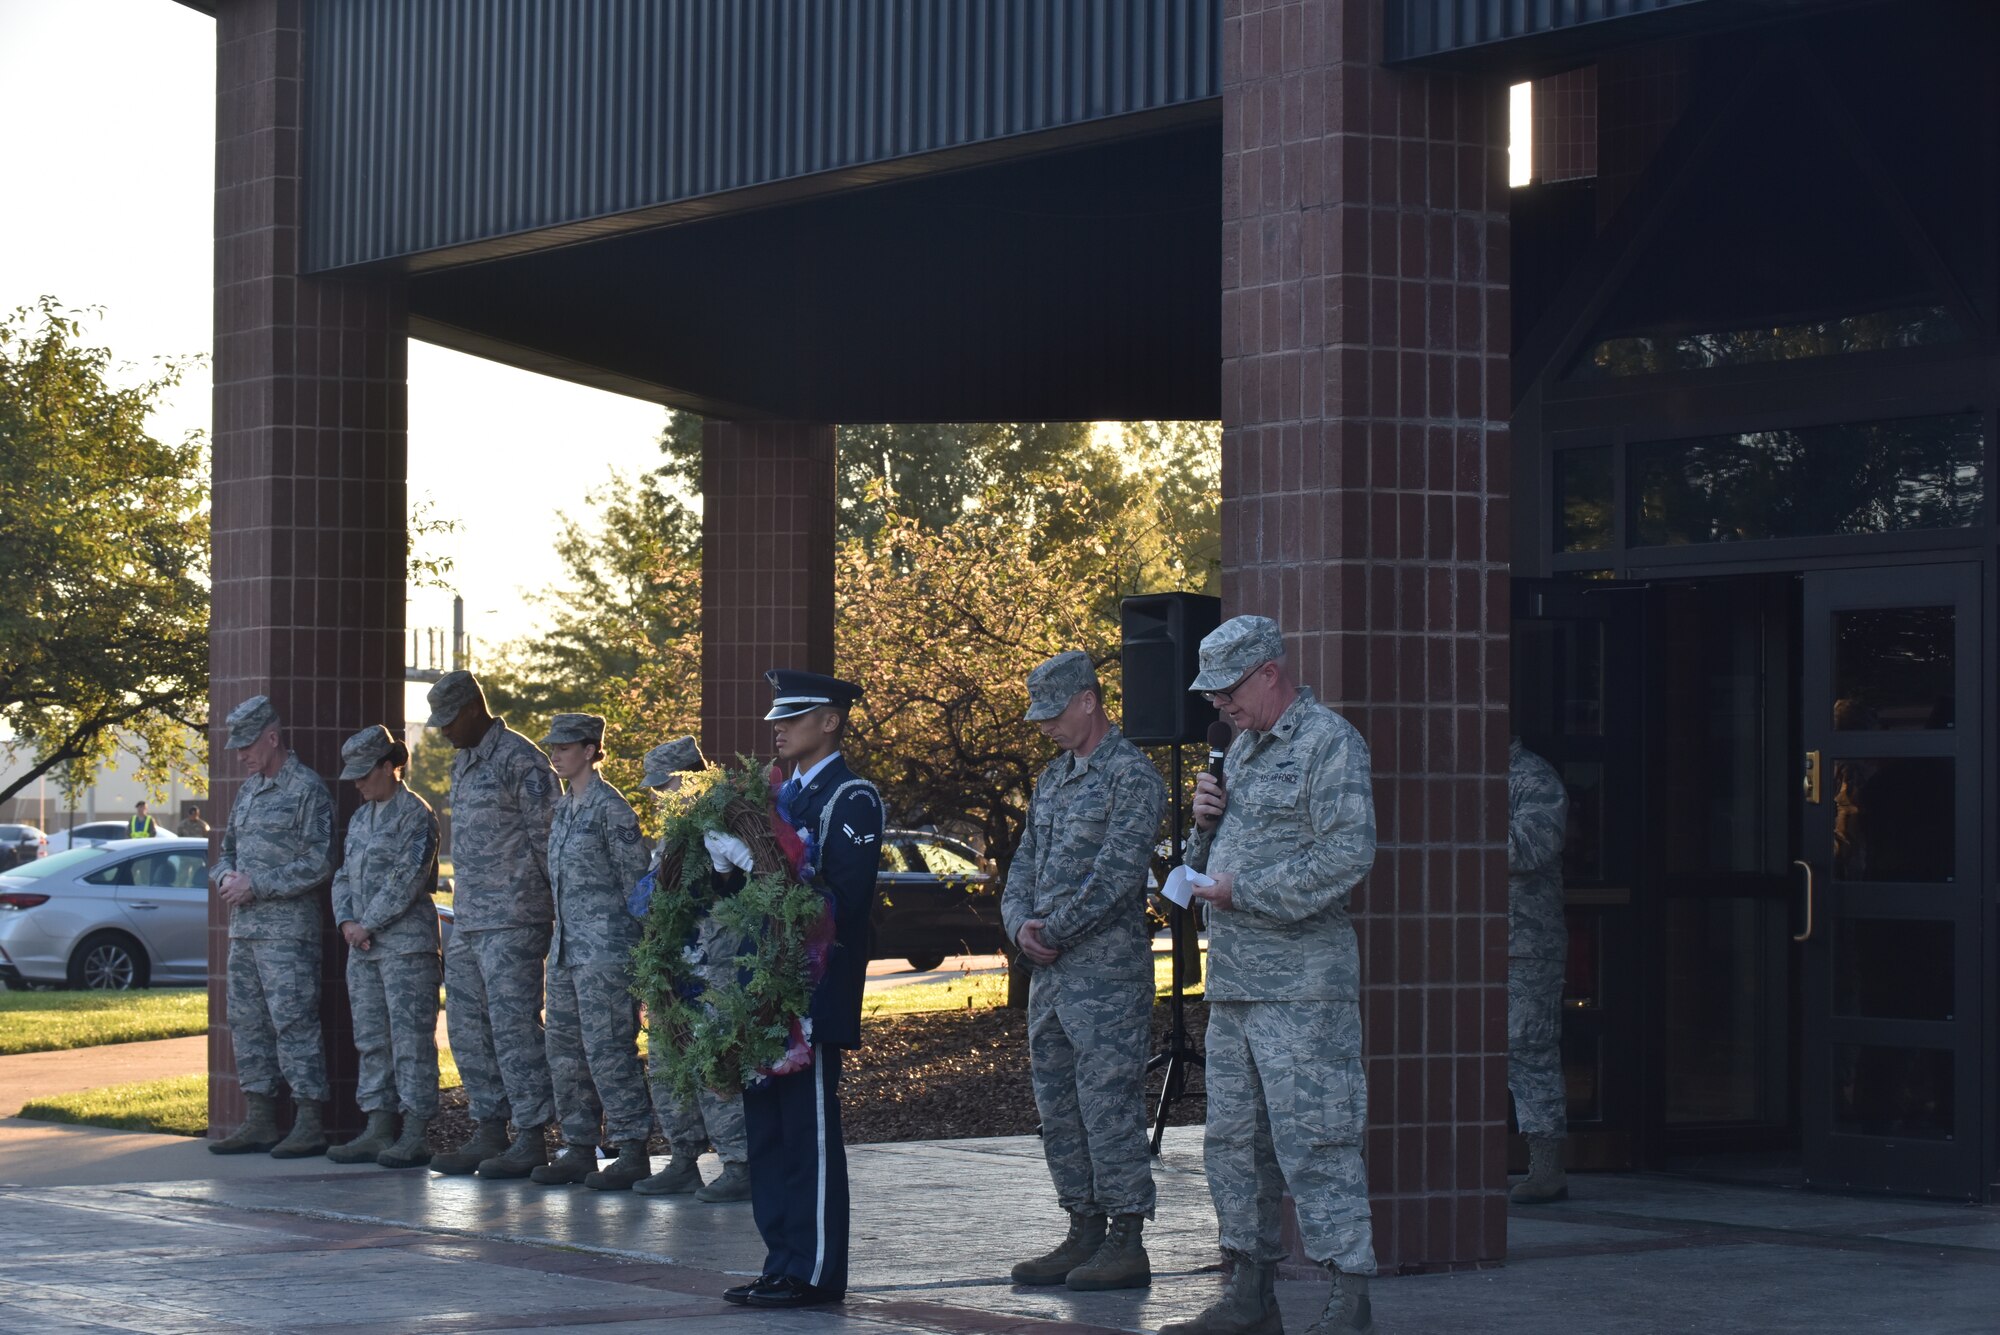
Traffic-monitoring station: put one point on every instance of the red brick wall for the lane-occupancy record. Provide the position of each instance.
(309, 493)
(766, 571)
(1565, 125)
(1365, 457)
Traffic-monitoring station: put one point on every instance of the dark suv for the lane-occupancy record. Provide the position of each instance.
(936, 897)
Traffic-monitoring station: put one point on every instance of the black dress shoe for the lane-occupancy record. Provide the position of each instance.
(740, 1295)
(786, 1291)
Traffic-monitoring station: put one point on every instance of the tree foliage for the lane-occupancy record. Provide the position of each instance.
(103, 562)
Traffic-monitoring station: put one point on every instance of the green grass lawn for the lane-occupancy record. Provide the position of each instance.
(175, 1107)
(52, 1021)
(979, 991)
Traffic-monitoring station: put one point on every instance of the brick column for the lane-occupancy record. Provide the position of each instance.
(309, 492)
(767, 525)
(1365, 464)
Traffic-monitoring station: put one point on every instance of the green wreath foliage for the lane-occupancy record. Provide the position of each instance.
(717, 1031)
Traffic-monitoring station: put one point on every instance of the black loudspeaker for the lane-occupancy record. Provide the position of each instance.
(1161, 642)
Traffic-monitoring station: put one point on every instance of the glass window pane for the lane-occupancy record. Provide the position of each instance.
(1893, 819)
(1583, 850)
(1892, 668)
(1725, 1011)
(1876, 331)
(1892, 1092)
(1853, 478)
(1583, 1076)
(1893, 969)
(1583, 499)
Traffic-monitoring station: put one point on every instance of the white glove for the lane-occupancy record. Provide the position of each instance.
(726, 851)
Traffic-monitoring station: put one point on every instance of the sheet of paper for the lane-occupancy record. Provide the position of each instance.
(1181, 882)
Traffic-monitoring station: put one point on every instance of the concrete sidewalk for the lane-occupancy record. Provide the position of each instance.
(25, 1076)
(113, 1232)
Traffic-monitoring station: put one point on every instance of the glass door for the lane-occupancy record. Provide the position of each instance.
(1889, 882)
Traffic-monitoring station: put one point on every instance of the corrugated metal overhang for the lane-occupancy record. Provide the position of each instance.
(439, 132)
(1525, 37)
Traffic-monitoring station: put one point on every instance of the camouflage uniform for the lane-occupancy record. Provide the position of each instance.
(1537, 941)
(280, 835)
(385, 884)
(1287, 1100)
(1081, 869)
(596, 856)
(503, 795)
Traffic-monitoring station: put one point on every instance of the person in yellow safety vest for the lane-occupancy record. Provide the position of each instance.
(141, 826)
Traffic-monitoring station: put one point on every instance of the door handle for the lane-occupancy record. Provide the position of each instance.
(1806, 867)
(141, 906)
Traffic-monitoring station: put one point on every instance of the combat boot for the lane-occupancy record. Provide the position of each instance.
(411, 1149)
(1248, 1306)
(1120, 1262)
(487, 1139)
(529, 1152)
(733, 1185)
(1347, 1311)
(308, 1135)
(630, 1166)
(575, 1163)
(258, 1133)
(1086, 1235)
(1546, 1181)
(379, 1136)
(679, 1177)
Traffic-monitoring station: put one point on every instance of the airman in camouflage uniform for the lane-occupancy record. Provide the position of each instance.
(596, 856)
(1287, 834)
(1075, 904)
(708, 1118)
(1537, 947)
(503, 795)
(276, 858)
(382, 900)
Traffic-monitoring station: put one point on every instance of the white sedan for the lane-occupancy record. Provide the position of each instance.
(128, 914)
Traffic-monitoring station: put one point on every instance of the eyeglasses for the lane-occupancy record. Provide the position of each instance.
(1224, 697)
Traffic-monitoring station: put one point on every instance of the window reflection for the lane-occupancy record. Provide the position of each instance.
(1892, 819)
(1876, 331)
(1879, 1091)
(1852, 478)
(1583, 499)
(1892, 668)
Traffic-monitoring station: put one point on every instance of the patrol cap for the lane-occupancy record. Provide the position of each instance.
(796, 693)
(1233, 649)
(248, 721)
(452, 692)
(1055, 682)
(575, 728)
(365, 750)
(670, 758)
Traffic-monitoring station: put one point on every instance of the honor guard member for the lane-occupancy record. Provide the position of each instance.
(798, 1163)
(596, 856)
(1075, 905)
(709, 1117)
(1286, 834)
(1537, 951)
(382, 900)
(277, 855)
(503, 795)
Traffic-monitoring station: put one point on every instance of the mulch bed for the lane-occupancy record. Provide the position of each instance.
(937, 1075)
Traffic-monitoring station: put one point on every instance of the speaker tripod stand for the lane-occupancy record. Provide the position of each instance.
(1178, 1053)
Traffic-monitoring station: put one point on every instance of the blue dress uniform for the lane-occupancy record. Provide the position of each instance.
(798, 1163)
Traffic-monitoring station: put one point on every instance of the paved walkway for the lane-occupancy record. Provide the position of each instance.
(35, 1075)
(112, 1232)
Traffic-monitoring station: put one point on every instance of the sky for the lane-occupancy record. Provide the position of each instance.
(111, 108)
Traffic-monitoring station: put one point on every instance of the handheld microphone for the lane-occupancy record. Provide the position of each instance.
(1220, 735)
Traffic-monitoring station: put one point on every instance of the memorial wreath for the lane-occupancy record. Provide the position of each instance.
(726, 1022)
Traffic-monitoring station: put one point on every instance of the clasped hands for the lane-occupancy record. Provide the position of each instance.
(726, 852)
(234, 889)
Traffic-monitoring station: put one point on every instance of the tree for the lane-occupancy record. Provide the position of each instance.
(103, 562)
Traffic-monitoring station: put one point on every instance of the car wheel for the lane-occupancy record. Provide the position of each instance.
(108, 961)
(923, 963)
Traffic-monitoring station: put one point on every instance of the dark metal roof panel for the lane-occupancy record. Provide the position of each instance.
(1517, 34)
(433, 124)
